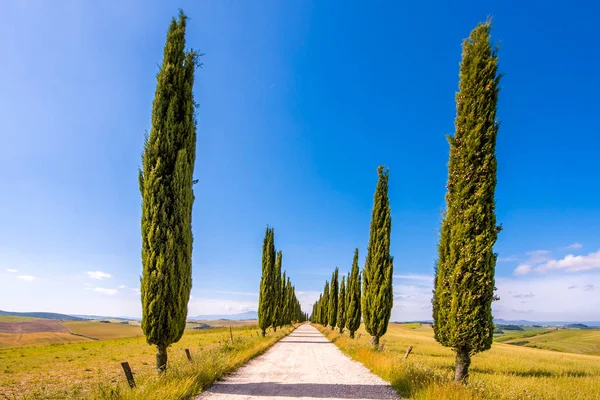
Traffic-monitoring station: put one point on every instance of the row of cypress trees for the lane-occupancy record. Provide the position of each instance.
(342, 306)
(277, 303)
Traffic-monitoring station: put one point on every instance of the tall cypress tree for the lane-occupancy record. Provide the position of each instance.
(333, 298)
(464, 281)
(283, 301)
(378, 292)
(341, 318)
(165, 180)
(353, 311)
(278, 305)
(325, 307)
(268, 295)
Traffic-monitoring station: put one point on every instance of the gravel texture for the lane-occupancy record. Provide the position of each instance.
(303, 365)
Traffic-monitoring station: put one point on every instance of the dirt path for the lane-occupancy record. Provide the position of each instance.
(304, 365)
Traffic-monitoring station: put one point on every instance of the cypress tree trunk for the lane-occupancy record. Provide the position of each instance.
(353, 311)
(165, 181)
(464, 274)
(378, 292)
(161, 358)
(462, 363)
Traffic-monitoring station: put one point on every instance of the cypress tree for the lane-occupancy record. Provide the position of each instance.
(284, 302)
(464, 279)
(277, 285)
(353, 311)
(333, 299)
(325, 306)
(165, 181)
(377, 291)
(341, 318)
(268, 294)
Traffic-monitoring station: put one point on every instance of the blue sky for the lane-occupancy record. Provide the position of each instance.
(299, 103)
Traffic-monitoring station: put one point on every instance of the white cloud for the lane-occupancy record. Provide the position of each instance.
(522, 269)
(109, 292)
(538, 256)
(575, 246)
(26, 278)
(87, 284)
(98, 275)
(122, 287)
(135, 290)
(571, 263)
(548, 297)
(11, 270)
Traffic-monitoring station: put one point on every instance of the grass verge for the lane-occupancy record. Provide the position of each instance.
(505, 372)
(92, 370)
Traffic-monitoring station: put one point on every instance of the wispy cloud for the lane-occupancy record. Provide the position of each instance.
(508, 259)
(571, 263)
(98, 275)
(575, 246)
(26, 278)
(14, 271)
(122, 287)
(522, 269)
(109, 292)
(416, 277)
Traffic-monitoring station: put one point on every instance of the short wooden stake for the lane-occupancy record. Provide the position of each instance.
(407, 352)
(128, 374)
(382, 345)
(188, 354)
(358, 336)
(231, 334)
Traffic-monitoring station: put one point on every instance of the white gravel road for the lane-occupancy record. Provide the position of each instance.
(304, 365)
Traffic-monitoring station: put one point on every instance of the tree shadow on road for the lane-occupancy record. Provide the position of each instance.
(314, 390)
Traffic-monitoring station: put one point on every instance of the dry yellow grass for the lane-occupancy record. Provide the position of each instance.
(93, 369)
(505, 372)
(103, 331)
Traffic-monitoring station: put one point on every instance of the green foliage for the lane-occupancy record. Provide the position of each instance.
(353, 312)
(165, 181)
(325, 305)
(278, 287)
(377, 276)
(268, 293)
(333, 299)
(464, 283)
(341, 317)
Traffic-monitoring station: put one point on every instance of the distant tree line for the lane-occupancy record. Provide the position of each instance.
(343, 305)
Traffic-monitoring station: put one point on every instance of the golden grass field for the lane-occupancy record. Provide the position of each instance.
(92, 369)
(506, 372)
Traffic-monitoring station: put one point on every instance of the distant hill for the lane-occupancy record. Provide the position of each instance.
(104, 317)
(238, 317)
(589, 324)
(45, 315)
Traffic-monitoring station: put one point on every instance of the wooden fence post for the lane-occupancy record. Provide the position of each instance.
(407, 352)
(188, 354)
(128, 374)
(231, 334)
(382, 345)
(358, 336)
